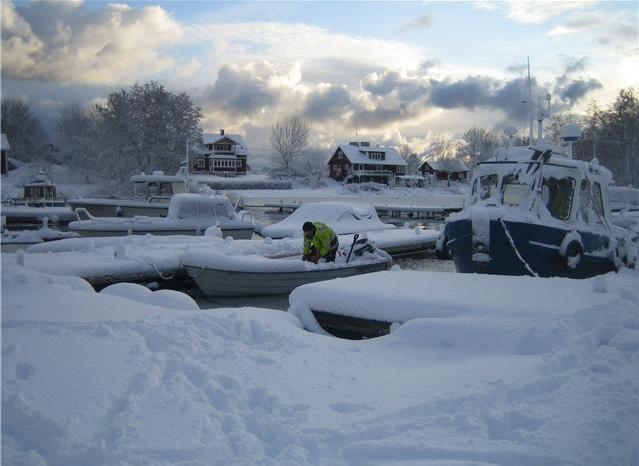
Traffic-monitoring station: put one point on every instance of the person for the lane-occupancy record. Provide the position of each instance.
(320, 242)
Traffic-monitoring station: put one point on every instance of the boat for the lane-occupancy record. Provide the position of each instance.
(151, 197)
(533, 210)
(39, 192)
(223, 275)
(344, 218)
(188, 214)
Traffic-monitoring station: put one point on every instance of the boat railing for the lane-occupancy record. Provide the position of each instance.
(83, 214)
(159, 199)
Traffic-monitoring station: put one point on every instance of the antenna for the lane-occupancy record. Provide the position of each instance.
(530, 137)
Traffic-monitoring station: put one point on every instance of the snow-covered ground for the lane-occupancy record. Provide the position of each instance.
(518, 371)
(101, 379)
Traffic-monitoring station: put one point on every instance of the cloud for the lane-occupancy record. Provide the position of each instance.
(242, 90)
(538, 12)
(618, 28)
(429, 64)
(417, 24)
(328, 102)
(65, 42)
(575, 64)
(576, 89)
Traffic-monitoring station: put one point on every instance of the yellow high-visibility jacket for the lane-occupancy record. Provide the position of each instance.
(323, 239)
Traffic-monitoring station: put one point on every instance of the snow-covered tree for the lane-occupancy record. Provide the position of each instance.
(289, 138)
(23, 130)
(312, 165)
(479, 145)
(143, 128)
(412, 159)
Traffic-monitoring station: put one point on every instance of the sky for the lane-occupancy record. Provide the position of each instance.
(392, 72)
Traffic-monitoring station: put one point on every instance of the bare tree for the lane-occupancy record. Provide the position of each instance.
(412, 159)
(312, 164)
(289, 138)
(480, 145)
(24, 131)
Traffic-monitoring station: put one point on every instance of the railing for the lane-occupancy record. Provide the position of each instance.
(371, 172)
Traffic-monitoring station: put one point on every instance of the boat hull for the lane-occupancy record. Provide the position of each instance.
(214, 282)
(235, 233)
(534, 248)
(121, 208)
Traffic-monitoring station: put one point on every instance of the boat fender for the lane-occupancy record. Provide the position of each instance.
(571, 249)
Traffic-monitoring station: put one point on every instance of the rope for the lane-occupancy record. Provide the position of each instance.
(160, 274)
(512, 243)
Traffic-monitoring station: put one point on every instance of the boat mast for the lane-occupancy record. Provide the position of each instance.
(530, 108)
(186, 180)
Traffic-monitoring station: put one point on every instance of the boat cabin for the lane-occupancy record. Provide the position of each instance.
(157, 187)
(40, 192)
(198, 206)
(557, 188)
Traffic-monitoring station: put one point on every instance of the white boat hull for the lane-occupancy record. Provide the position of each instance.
(123, 208)
(214, 282)
(235, 233)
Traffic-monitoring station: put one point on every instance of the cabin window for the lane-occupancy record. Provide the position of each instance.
(514, 191)
(488, 186)
(558, 194)
(598, 200)
(139, 188)
(166, 189)
(220, 211)
(474, 190)
(153, 189)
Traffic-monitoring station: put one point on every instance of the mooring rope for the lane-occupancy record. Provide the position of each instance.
(512, 243)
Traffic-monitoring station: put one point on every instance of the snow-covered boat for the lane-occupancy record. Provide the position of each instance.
(39, 192)
(535, 211)
(344, 218)
(151, 197)
(188, 214)
(218, 274)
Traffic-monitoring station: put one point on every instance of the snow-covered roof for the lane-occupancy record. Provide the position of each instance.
(212, 138)
(359, 154)
(447, 165)
(4, 143)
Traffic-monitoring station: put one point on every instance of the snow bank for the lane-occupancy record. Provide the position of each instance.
(89, 378)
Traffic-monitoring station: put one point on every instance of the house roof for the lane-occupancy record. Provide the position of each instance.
(359, 154)
(447, 165)
(4, 143)
(212, 138)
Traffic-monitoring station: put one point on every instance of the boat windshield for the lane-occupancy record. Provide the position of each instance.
(139, 189)
(514, 190)
(487, 186)
(558, 193)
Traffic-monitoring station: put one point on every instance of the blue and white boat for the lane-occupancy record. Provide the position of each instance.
(536, 211)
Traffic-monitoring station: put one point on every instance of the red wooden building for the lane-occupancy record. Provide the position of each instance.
(359, 162)
(221, 154)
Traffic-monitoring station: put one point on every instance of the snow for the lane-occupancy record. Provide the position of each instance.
(343, 218)
(543, 372)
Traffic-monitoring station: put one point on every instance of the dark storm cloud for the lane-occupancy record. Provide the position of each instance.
(404, 89)
(381, 116)
(575, 64)
(573, 91)
(471, 92)
(326, 104)
(239, 92)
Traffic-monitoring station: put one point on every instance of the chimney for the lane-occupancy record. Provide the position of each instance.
(222, 132)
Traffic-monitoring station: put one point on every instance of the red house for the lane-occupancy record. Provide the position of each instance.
(220, 154)
(359, 162)
(445, 169)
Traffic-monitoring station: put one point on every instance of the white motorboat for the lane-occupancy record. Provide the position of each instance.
(218, 274)
(151, 197)
(188, 214)
(344, 218)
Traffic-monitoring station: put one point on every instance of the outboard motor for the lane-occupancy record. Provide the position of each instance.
(363, 245)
